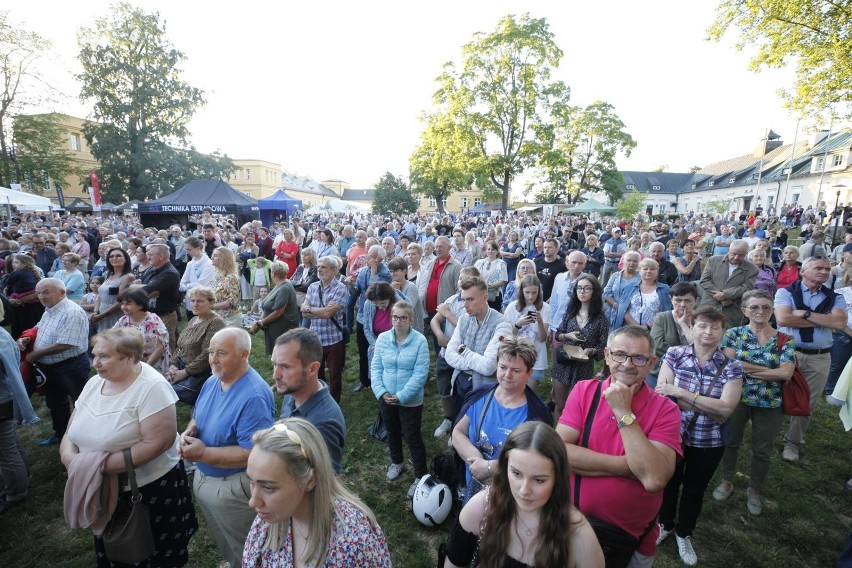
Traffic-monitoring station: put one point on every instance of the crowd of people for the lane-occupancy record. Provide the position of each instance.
(693, 323)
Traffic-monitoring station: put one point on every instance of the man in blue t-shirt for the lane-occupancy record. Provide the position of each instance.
(233, 404)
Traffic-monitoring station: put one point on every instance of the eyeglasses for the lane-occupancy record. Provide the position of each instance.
(292, 436)
(584, 289)
(637, 360)
(399, 318)
(526, 267)
(116, 256)
(759, 308)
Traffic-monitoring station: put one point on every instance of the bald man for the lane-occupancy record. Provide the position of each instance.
(233, 404)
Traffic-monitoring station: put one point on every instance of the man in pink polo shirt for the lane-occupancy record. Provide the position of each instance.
(628, 456)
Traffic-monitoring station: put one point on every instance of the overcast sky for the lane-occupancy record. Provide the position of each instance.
(334, 89)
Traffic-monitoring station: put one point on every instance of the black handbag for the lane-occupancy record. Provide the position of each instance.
(128, 538)
(189, 388)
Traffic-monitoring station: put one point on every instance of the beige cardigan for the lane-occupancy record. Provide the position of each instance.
(90, 496)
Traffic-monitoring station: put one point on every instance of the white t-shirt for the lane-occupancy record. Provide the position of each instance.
(112, 423)
(530, 331)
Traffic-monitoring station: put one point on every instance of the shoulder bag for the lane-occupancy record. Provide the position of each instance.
(128, 538)
(691, 424)
(617, 544)
(795, 393)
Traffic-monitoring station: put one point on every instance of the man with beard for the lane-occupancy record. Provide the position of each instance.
(296, 360)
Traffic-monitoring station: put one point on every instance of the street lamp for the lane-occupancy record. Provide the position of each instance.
(838, 219)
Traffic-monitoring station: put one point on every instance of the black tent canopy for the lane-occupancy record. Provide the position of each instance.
(192, 199)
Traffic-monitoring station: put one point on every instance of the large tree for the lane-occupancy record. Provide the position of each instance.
(393, 196)
(812, 35)
(499, 94)
(578, 148)
(41, 146)
(142, 106)
(446, 160)
(23, 86)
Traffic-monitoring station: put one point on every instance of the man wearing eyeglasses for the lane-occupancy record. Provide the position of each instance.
(43, 255)
(809, 311)
(622, 440)
(233, 404)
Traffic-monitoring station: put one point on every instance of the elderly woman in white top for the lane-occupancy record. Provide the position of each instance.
(495, 273)
(129, 405)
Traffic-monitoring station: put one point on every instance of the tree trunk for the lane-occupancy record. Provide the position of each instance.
(507, 189)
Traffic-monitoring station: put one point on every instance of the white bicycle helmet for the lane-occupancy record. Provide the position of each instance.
(432, 501)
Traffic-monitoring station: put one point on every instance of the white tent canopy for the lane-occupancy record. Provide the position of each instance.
(338, 205)
(24, 201)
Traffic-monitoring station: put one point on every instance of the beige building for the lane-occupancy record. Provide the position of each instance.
(459, 202)
(75, 143)
(256, 178)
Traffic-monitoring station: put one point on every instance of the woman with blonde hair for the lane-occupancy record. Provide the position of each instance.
(226, 287)
(526, 267)
(305, 515)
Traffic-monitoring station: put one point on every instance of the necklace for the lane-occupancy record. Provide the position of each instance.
(527, 528)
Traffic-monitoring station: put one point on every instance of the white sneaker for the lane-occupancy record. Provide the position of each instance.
(687, 553)
(395, 470)
(444, 428)
(790, 453)
(664, 534)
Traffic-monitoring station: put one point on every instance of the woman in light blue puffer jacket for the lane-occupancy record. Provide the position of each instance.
(398, 373)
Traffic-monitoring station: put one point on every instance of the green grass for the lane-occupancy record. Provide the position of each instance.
(805, 522)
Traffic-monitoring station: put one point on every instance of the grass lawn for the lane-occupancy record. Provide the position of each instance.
(805, 522)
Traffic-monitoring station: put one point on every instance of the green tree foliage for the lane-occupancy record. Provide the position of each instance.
(578, 148)
(717, 206)
(40, 143)
(499, 95)
(445, 161)
(393, 197)
(631, 205)
(142, 107)
(21, 51)
(813, 35)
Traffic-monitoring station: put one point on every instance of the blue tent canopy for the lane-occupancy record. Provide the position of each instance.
(277, 203)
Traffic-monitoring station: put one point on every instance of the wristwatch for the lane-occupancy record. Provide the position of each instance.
(626, 420)
(807, 314)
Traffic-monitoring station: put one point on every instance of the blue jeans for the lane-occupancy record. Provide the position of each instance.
(841, 350)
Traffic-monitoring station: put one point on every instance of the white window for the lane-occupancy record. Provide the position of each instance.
(75, 142)
(795, 198)
(248, 174)
(234, 176)
(247, 193)
(477, 201)
(631, 186)
(711, 184)
(694, 185)
(662, 207)
(732, 180)
(432, 202)
(655, 187)
(838, 160)
(769, 200)
(820, 163)
(464, 202)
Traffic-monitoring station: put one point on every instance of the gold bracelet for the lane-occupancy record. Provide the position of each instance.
(694, 399)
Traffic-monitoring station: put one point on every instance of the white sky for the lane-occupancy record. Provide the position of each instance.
(334, 89)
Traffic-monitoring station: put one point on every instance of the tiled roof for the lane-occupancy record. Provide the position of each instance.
(358, 195)
(742, 170)
(305, 185)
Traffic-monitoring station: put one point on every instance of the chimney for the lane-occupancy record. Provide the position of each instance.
(817, 137)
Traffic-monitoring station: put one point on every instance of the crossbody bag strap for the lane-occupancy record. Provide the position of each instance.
(332, 318)
(482, 412)
(131, 476)
(695, 414)
(587, 432)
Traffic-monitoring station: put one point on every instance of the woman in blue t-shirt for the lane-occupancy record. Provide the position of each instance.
(492, 411)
